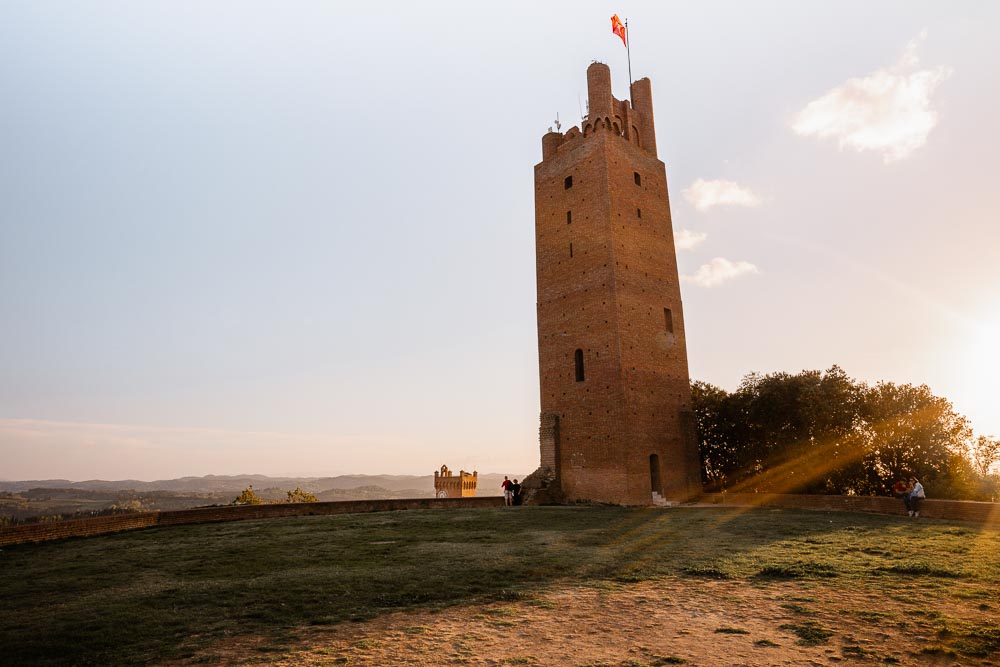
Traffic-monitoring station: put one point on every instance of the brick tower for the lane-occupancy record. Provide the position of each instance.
(616, 422)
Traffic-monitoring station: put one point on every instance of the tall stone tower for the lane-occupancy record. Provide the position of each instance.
(616, 422)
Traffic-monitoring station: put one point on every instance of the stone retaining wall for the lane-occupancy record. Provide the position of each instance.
(54, 530)
(961, 510)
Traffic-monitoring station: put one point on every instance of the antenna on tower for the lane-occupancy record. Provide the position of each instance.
(558, 124)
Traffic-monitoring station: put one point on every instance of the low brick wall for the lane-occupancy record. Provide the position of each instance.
(961, 510)
(55, 530)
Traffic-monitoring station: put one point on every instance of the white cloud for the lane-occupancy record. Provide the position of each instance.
(703, 194)
(887, 111)
(685, 239)
(718, 271)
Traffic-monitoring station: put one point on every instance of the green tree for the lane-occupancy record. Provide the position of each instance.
(779, 432)
(907, 430)
(300, 496)
(800, 426)
(824, 432)
(985, 453)
(718, 446)
(248, 497)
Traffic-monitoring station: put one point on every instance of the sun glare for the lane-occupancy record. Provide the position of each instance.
(981, 376)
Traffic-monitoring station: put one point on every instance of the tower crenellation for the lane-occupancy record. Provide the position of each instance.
(633, 121)
(600, 101)
(642, 101)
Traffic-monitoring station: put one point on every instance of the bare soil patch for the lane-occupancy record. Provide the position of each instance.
(674, 620)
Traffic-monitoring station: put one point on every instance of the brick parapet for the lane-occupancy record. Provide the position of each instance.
(55, 530)
(956, 510)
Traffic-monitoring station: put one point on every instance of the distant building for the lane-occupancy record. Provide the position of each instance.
(449, 485)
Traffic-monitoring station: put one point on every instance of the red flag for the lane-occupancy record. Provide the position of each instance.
(618, 28)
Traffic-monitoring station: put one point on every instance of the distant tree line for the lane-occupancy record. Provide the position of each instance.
(250, 497)
(824, 432)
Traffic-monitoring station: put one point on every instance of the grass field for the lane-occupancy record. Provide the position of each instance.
(173, 593)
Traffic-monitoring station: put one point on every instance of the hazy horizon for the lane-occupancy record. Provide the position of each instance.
(247, 474)
(242, 235)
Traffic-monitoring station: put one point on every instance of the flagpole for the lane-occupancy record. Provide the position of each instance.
(628, 54)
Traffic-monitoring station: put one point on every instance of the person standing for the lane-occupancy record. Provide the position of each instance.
(508, 497)
(515, 492)
(916, 495)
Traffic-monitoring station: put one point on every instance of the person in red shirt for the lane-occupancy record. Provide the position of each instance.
(902, 490)
(508, 495)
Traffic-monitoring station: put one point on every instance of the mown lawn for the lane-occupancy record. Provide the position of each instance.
(168, 593)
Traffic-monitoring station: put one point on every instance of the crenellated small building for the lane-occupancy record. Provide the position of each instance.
(449, 485)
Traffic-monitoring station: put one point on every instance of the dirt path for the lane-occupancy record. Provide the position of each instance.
(674, 621)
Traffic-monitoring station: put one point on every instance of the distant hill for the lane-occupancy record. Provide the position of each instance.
(24, 499)
(489, 483)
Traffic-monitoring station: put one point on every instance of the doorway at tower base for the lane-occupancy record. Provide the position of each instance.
(542, 487)
(545, 486)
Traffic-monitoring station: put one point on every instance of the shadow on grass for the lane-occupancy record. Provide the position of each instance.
(169, 592)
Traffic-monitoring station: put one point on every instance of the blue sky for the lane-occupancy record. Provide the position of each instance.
(298, 238)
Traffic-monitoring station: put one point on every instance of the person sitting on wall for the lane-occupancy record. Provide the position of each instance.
(515, 492)
(902, 491)
(916, 495)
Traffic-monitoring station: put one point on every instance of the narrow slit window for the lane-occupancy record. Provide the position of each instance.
(568, 183)
(570, 249)
(637, 177)
(668, 320)
(638, 212)
(569, 217)
(578, 360)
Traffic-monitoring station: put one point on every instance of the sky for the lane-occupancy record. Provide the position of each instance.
(298, 238)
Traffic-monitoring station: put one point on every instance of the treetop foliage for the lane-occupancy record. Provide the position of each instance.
(250, 497)
(824, 432)
(300, 496)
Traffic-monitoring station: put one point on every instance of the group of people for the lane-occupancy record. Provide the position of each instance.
(511, 492)
(911, 493)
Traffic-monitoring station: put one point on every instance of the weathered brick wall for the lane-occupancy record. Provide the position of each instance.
(960, 510)
(42, 532)
(548, 441)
